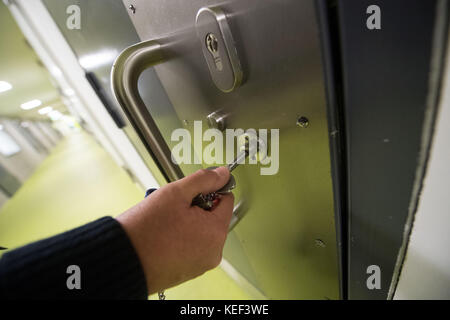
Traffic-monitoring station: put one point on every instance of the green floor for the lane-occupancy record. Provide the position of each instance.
(77, 183)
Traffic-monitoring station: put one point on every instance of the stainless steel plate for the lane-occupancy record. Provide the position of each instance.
(275, 244)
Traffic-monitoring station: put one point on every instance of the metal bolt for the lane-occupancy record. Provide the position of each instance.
(303, 122)
(217, 120)
(132, 8)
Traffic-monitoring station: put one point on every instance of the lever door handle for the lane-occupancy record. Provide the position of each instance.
(125, 73)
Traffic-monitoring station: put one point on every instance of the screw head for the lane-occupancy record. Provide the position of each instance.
(132, 8)
(303, 122)
(320, 243)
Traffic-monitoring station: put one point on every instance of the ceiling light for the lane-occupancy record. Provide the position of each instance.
(55, 115)
(31, 104)
(45, 110)
(5, 86)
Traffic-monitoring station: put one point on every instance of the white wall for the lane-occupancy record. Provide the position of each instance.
(426, 270)
(48, 132)
(22, 164)
(40, 136)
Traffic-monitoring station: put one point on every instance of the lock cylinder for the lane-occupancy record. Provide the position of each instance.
(218, 48)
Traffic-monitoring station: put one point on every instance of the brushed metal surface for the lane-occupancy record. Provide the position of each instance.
(274, 243)
(125, 74)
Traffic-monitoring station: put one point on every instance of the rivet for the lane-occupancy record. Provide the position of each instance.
(303, 122)
(320, 243)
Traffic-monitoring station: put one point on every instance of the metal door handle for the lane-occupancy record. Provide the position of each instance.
(125, 73)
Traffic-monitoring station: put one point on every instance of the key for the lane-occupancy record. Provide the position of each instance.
(212, 44)
(241, 156)
(206, 202)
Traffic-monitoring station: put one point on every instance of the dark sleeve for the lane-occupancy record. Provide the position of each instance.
(108, 264)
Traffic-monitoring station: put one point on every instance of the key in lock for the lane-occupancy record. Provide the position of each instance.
(212, 44)
(249, 149)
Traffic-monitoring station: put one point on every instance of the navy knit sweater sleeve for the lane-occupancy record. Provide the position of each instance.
(105, 261)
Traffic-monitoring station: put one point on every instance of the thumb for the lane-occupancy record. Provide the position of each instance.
(204, 181)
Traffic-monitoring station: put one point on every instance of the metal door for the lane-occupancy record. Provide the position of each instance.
(285, 244)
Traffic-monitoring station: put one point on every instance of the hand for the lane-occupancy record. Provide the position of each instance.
(174, 241)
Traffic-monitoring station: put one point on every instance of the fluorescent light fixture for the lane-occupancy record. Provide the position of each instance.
(31, 104)
(55, 115)
(99, 59)
(45, 110)
(5, 86)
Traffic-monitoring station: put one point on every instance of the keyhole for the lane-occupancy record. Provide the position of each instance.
(212, 44)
